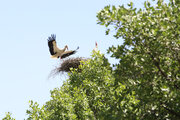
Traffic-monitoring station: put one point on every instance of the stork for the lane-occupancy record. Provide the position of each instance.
(96, 47)
(56, 52)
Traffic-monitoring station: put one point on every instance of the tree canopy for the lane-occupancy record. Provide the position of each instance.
(143, 85)
(149, 57)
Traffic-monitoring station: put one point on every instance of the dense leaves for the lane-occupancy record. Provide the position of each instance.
(149, 57)
(89, 94)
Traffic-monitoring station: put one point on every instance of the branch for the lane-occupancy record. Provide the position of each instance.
(157, 64)
(172, 111)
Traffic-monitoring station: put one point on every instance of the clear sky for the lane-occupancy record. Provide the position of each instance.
(25, 62)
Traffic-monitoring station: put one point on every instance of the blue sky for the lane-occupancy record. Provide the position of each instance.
(25, 60)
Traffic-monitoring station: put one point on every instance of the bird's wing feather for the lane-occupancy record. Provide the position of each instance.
(52, 44)
(68, 53)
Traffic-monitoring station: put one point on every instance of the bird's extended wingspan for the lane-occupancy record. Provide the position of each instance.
(68, 53)
(55, 51)
(52, 44)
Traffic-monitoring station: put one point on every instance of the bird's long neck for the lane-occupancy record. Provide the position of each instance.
(65, 48)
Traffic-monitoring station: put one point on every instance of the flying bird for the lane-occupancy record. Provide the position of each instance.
(56, 52)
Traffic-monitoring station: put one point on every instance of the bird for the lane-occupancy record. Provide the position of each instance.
(56, 52)
(96, 47)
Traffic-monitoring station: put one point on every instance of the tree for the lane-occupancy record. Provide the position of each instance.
(149, 57)
(89, 94)
(144, 85)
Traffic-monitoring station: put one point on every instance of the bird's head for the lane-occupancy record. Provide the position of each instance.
(66, 47)
(96, 45)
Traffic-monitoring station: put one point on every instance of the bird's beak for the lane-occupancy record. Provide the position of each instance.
(67, 47)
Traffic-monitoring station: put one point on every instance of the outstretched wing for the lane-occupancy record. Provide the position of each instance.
(68, 53)
(52, 44)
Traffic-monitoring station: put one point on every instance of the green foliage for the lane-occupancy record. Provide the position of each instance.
(36, 113)
(89, 94)
(144, 85)
(8, 117)
(149, 57)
